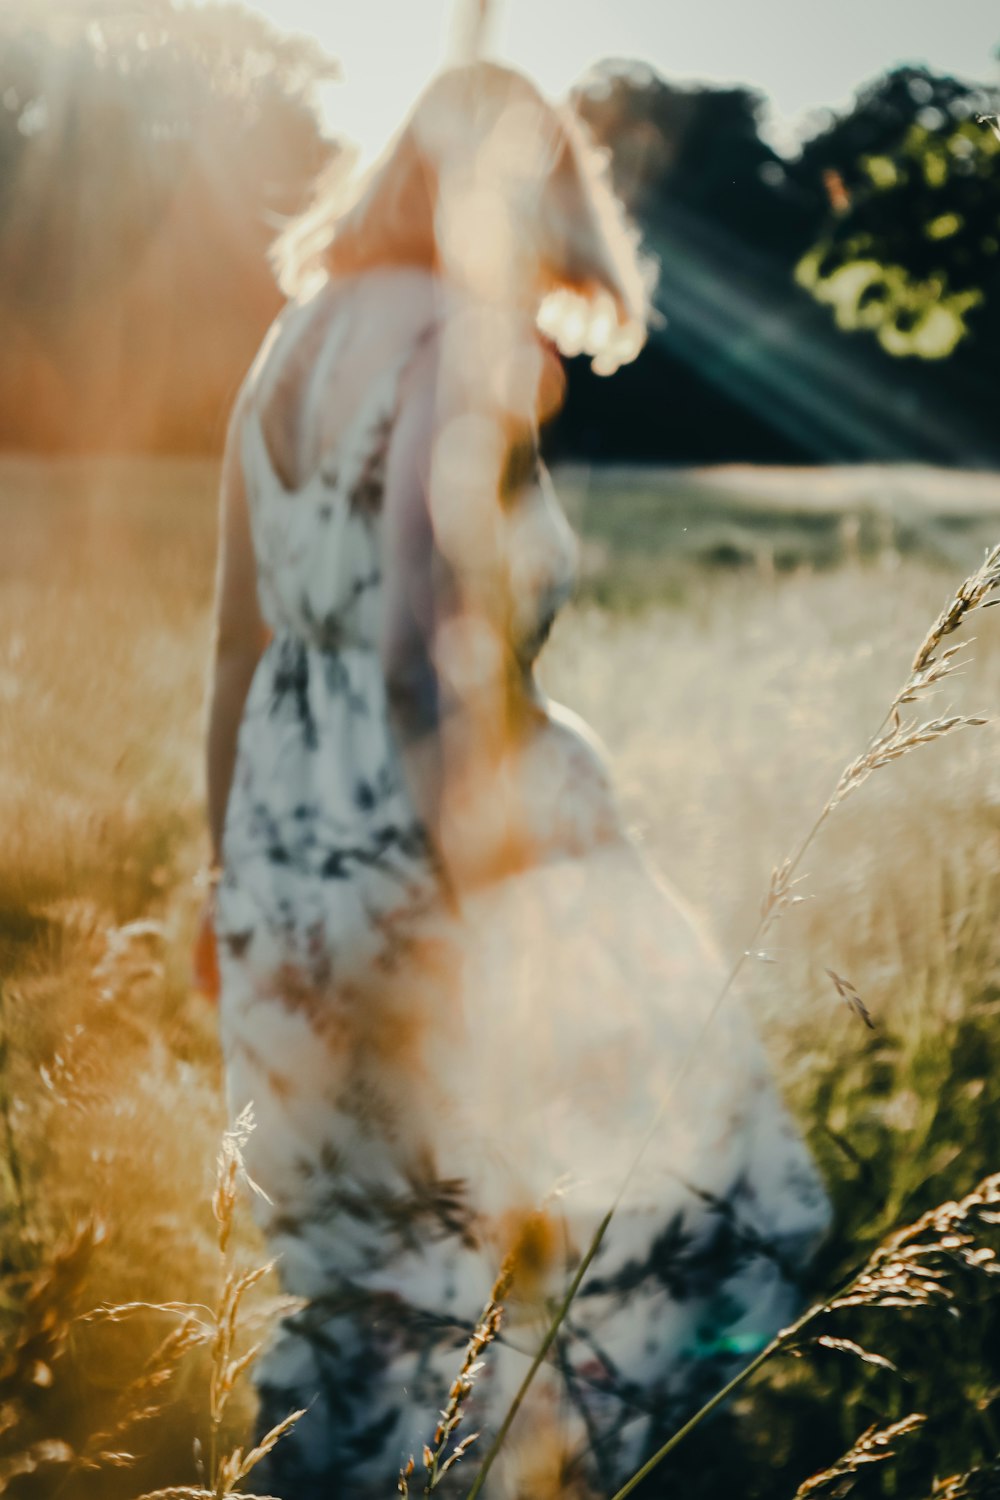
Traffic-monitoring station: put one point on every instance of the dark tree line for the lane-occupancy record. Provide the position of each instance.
(841, 304)
(906, 183)
(909, 249)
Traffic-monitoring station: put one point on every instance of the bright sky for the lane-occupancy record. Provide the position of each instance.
(805, 54)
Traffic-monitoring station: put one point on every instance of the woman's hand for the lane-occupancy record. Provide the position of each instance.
(205, 955)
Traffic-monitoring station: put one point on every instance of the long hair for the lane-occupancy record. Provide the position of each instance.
(488, 182)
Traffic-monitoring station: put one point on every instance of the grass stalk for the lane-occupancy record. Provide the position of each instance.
(682, 1432)
(891, 741)
(10, 1140)
(896, 1275)
(540, 1354)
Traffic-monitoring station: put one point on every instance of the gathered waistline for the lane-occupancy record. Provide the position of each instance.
(286, 638)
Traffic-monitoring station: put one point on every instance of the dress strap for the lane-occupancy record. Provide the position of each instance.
(380, 409)
(333, 341)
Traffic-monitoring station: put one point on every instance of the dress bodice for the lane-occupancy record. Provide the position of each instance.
(317, 544)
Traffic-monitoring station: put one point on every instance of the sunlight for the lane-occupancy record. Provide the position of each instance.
(296, 500)
(389, 49)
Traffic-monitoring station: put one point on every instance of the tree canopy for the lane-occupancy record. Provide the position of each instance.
(888, 216)
(909, 247)
(144, 167)
(150, 149)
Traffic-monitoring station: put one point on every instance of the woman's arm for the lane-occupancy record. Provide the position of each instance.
(240, 634)
(451, 680)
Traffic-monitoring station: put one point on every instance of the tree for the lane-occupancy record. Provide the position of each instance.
(696, 148)
(889, 212)
(910, 249)
(146, 162)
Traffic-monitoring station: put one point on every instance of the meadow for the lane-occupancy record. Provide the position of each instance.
(737, 638)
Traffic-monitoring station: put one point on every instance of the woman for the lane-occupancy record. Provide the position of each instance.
(466, 1015)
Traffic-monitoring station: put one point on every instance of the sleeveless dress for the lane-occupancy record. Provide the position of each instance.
(440, 1093)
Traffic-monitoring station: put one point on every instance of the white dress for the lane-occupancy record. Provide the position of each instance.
(433, 1087)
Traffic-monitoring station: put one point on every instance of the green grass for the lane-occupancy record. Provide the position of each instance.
(648, 534)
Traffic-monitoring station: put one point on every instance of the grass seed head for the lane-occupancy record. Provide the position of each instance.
(874, 1446)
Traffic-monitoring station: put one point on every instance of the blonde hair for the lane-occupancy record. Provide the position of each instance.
(490, 183)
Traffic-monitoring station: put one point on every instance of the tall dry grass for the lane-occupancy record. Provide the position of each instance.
(111, 1082)
(730, 702)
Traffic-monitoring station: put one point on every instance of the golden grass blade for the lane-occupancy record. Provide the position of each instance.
(138, 1403)
(267, 1442)
(180, 1492)
(228, 1472)
(226, 1370)
(848, 1346)
(976, 1484)
(874, 1446)
(121, 1311)
(898, 741)
(850, 996)
(970, 595)
(543, 1349)
(238, 1367)
(436, 1459)
(190, 1492)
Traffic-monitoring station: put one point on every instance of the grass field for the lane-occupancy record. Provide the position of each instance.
(737, 638)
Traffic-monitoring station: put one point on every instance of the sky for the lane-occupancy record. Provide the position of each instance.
(804, 54)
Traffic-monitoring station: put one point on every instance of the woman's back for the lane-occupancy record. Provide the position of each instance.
(324, 352)
(314, 423)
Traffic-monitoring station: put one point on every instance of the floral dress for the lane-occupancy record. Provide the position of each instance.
(443, 1094)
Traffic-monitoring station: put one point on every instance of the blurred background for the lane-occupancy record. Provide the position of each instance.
(821, 193)
(774, 502)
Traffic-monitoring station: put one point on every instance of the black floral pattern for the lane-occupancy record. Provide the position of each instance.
(421, 1078)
